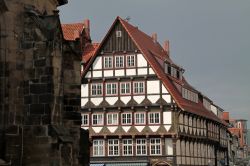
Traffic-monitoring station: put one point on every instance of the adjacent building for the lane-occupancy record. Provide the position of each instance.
(139, 108)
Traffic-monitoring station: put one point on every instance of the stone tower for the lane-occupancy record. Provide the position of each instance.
(39, 94)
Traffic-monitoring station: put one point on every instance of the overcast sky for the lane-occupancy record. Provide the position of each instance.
(210, 39)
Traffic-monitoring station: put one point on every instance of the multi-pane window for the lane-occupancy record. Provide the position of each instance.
(98, 147)
(141, 147)
(155, 146)
(96, 89)
(85, 119)
(119, 61)
(138, 87)
(126, 118)
(127, 147)
(108, 62)
(125, 88)
(113, 146)
(112, 119)
(111, 88)
(139, 118)
(97, 119)
(130, 60)
(154, 118)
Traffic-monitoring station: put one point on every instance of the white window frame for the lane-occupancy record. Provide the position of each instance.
(155, 146)
(111, 89)
(113, 147)
(125, 119)
(108, 62)
(139, 87)
(118, 33)
(141, 147)
(85, 119)
(152, 118)
(125, 88)
(119, 61)
(96, 89)
(130, 61)
(99, 119)
(127, 147)
(112, 119)
(98, 148)
(138, 118)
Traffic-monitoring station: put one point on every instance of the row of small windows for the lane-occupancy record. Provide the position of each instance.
(173, 71)
(127, 147)
(112, 88)
(119, 61)
(189, 95)
(126, 118)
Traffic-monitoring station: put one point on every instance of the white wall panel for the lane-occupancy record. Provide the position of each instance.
(97, 129)
(108, 73)
(153, 87)
(125, 99)
(164, 90)
(119, 72)
(126, 128)
(169, 146)
(97, 63)
(85, 128)
(153, 98)
(142, 71)
(130, 72)
(88, 75)
(112, 129)
(139, 99)
(84, 101)
(167, 127)
(97, 100)
(154, 128)
(151, 71)
(97, 74)
(167, 98)
(167, 117)
(111, 100)
(84, 90)
(139, 128)
(141, 61)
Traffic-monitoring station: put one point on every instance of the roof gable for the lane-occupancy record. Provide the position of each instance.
(72, 31)
(155, 55)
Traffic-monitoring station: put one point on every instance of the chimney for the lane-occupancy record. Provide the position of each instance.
(154, 37)
(225, 116)
(87, 27)
(166, 46)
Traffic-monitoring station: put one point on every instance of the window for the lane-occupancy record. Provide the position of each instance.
(96, 89)
(113, 145)
(126, 118)
(138, 87)
(98, 147)
(154, 118)
(130, 60)
(119, 61)
(189, 95)
(127, 147)
(111, 88)
(141, 147)
(125, 88)
(118, 33)
(108, 62)
(112, 119)
(97, 119)
(139, 118)
(155, 146)
(85, 119)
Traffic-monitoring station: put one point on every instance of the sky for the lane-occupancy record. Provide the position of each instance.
(209, 39)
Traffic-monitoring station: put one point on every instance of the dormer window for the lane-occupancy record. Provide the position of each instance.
(206, 104)
(189, 95)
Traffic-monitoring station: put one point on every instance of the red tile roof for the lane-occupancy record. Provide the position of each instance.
(155, 55)
(89, 51)
(235, 131)
(72, 31)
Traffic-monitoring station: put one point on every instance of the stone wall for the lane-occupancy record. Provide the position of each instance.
(40, 95)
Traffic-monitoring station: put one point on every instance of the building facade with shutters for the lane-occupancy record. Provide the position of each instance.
(140, 110)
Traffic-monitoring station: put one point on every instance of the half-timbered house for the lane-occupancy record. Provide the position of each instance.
(140, 110)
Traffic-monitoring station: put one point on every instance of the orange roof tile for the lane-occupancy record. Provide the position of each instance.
(89, 51)
(155, 55)
(72, 31)
(235, 131)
